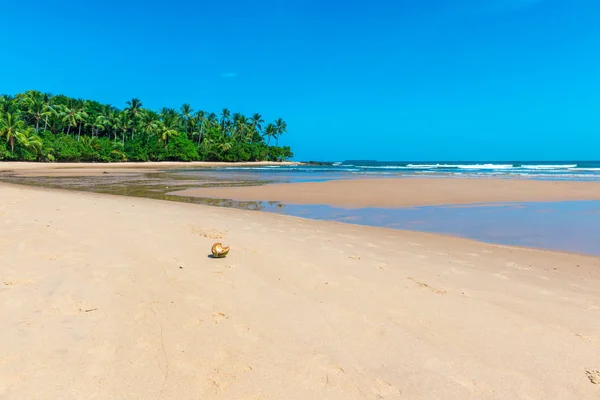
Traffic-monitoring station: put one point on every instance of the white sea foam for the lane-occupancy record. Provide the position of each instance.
(258, 168)
(546, 166)
(384, 167)
(542, 171)
(460, 166)
(423, 166)
(486, 166)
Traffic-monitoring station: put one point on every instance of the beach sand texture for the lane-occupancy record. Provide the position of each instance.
(403, 192)
(39, 169)
(112, 297)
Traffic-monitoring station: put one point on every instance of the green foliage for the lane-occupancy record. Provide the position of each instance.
(37, 126)
(279, 153)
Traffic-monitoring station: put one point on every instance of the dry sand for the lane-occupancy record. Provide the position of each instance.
(115, 298)
(401, 192)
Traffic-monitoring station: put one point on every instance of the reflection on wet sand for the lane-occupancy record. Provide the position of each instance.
(567, 226)
(153, 185)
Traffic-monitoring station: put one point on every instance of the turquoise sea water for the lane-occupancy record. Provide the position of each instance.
(563, 170)
(572, 226)
(555, 170)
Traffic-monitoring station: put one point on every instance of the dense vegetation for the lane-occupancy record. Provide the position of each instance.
(40, 127)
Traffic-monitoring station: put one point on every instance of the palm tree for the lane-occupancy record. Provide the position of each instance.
(167, 129)
(109, 122)
(186, 112)
(236, 125)
(34, 102)
(69, 116)
(96, 125)
(53, 117)
(5, 103)
(148, 121)
(134, 108)
(169, 122)
(281, 127)
(11, 126)
(90, 144)
(201, 121)
(80, 117)
(212, 119)
(225, 146)
(27, 139)
(270, 131)
(241, 129)
(24, 115)
(169, 113)
(122, 123)
(257, 122)
(47, 112)
(225, 116)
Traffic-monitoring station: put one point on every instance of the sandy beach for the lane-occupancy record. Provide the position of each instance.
(404, 192)
(33, 169)
(114, 297)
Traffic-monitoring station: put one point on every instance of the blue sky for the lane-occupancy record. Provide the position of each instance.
(387, 80)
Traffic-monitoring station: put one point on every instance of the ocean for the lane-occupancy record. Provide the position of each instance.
(563, 170)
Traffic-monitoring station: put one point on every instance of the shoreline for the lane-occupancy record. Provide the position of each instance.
(405, 192)
(348, 193)
(397, 203)
(41, 169)
(18, 166)
(407, 230)
(299, 309)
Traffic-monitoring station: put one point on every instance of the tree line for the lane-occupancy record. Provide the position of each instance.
(38, 126)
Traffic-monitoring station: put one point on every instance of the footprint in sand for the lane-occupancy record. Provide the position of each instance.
(426, 286)
(516, 266)
(209, 233)
(16, 282)
(192, 323)
(218, 317)
(593, 376)
(221, 378)
(332, 372)
(385, 390)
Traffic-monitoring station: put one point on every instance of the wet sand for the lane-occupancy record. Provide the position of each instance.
(32, 169)
(571, 226)
(403, 192)
(114, 297)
